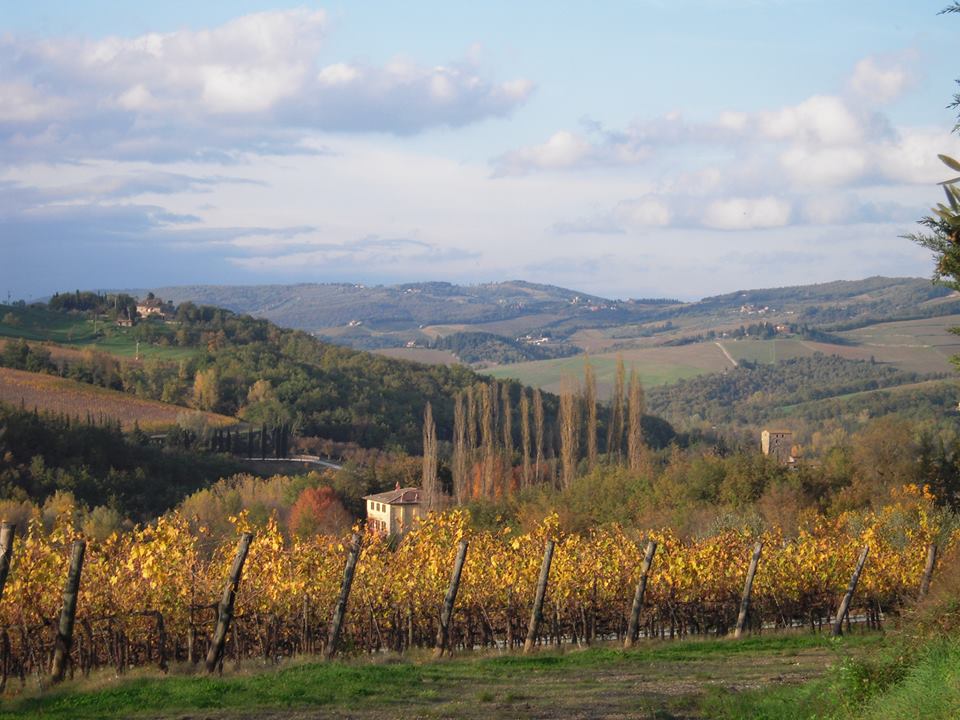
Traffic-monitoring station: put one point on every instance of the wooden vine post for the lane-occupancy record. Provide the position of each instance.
(536, 615)
(837, 629)
(225, 608)
(747, 589)
(68, 613)
(924, 582)
(633, 627)
(7, 531)
(443, 633)
(340, 609)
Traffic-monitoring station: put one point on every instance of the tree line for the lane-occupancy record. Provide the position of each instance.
(506, 438)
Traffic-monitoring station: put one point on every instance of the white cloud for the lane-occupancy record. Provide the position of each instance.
(912, 157)
(747, 213)
(253, 83)
(22, 103)
(878, 83)
(821, 119)
(561, 150)
(828, 166)
(645, 212)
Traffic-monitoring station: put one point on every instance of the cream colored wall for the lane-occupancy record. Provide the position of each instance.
(395, 518)
(383, 516)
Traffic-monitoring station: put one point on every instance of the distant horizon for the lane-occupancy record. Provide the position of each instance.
(136, 291)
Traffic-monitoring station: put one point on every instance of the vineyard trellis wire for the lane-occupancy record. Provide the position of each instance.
(149, 596)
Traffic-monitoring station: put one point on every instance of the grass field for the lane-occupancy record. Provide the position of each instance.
(923, 346)
(508, 328)
(658, 679)
(422, 355)
(656, 366)
(76, 331)
(59, 395)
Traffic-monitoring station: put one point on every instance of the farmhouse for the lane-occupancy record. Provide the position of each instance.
(151, 307)
(779, 444)
(394, 512)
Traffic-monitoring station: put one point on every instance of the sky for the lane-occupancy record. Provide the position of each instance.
(653, 148)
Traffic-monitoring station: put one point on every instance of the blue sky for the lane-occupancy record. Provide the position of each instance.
(625, 149)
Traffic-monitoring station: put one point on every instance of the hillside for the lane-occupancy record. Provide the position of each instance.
(320, 389)
(58, 395)
(312, 306)
(555, 318)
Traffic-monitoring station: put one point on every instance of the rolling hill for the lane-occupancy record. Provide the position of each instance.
(61, 396)
(390, 316)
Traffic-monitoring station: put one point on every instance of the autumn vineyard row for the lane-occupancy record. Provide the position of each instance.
(149, 596)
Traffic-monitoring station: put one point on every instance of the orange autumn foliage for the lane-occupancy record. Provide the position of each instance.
(318, 511)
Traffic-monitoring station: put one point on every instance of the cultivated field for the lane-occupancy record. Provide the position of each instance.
(657, 366)
(59, 395)
(920, 345)
(422, 355)
(508, 328)
(923, 346)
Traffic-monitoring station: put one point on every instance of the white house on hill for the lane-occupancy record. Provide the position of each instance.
(395, 511)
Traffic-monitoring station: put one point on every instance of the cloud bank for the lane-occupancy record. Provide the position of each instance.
(255, 84)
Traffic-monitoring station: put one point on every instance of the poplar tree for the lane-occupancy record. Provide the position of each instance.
(635, 445)
(569, 433)
(615, 429)
(460, 489)
(471, 408)
(429, 486)
(538, 431)
(525, 435)
(488, 401)
(507, 424)
(590, 407)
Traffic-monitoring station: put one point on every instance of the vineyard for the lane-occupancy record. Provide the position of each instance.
(70, 398)
(148, 596)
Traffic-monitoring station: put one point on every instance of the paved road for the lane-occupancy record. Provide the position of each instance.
(305, 459)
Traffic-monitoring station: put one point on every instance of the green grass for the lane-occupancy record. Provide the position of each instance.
(768, 351)
(929, 689)
(656, 366)
(75, 331)
(390, 686)
(33, 323)
(881, 685)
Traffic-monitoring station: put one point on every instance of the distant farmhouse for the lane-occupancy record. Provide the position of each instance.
(779, 445)
(153, 307)
(394, 512)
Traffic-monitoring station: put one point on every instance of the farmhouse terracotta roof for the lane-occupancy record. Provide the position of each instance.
(399, 496)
